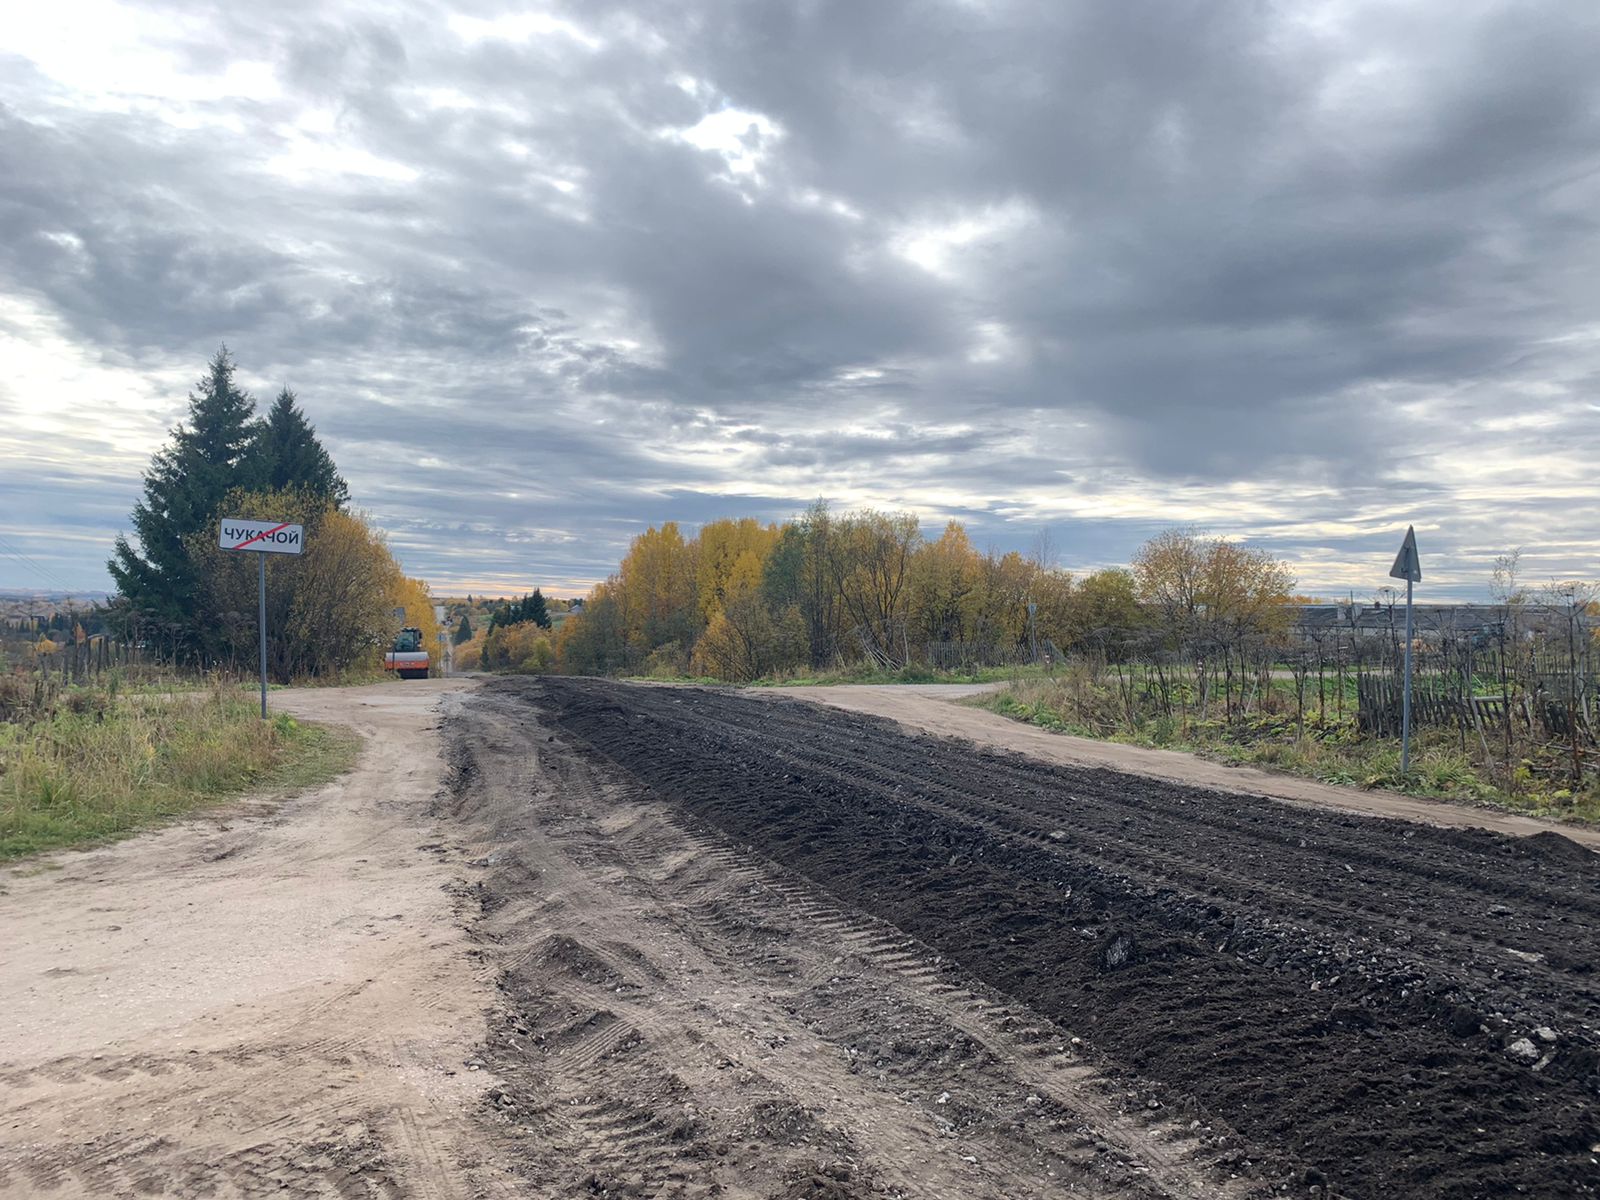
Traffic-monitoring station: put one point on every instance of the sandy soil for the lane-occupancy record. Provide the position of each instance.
(928, 708)
(275, 999)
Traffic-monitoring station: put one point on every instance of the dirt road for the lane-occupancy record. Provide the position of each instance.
(687, 1018)
(928, 708)
(671, 942)
(275, 1000)
(1381, 1008)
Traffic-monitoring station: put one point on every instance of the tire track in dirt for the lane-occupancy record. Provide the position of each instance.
(934, 710)
(1333, 923)
(1285, 835)
(686, 1018)
(1346, 991)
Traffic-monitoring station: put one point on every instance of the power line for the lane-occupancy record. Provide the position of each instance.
(17, 554)
(48, 575)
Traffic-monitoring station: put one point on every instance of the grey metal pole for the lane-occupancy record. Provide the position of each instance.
(1405, 710)
(261, 626)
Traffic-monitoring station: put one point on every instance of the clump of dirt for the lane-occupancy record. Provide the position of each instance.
(1120, 951)
(833, 1182)
(781, 1121)
(1551, 844)
(560, 955)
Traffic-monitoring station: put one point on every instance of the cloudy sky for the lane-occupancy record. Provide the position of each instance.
(545, 274)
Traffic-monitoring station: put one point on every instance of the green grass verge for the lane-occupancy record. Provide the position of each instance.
(251, 686)
(316, 754)
(1332, 752)
(115, 767)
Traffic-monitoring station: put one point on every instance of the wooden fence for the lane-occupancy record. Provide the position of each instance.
(1381, 701)
(80, 662)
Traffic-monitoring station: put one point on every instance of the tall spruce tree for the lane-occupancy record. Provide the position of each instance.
(185, 485)
(285, 453)
(463, 631)
(537, 611)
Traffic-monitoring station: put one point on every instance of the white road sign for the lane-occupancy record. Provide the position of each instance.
(273, 537)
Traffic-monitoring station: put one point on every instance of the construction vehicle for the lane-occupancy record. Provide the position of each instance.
(406, 657)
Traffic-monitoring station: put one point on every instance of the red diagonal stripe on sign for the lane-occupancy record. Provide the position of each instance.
(262, 534)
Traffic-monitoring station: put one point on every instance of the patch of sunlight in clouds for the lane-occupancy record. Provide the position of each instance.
(1529, 470)
(745, 141)
(836, 205)
(107, 56)
(312, 159)
(52, 383)
(1532, 420)
(993, 342)
(1221, 507)
(939, 245)
(518, 28)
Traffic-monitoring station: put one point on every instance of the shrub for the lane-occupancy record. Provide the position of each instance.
(666, 662)
(87, 702)
(24, 697)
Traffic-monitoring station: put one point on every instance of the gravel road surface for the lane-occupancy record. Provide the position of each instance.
(1378, 1007)
(687, 1017)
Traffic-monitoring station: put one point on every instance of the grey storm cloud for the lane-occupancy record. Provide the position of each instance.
(543, 276)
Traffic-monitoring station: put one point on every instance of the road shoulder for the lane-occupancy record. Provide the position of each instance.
(270, 995)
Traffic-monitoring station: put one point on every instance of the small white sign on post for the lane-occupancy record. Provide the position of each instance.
(264, 538)
(269, 537)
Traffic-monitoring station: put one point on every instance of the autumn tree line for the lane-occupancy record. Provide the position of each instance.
(514, 635)
(185, 601)
(742, 600)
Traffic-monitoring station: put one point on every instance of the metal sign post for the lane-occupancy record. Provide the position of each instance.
(444, 641)
(1407, 566)
(261, 624)
(262, 538)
